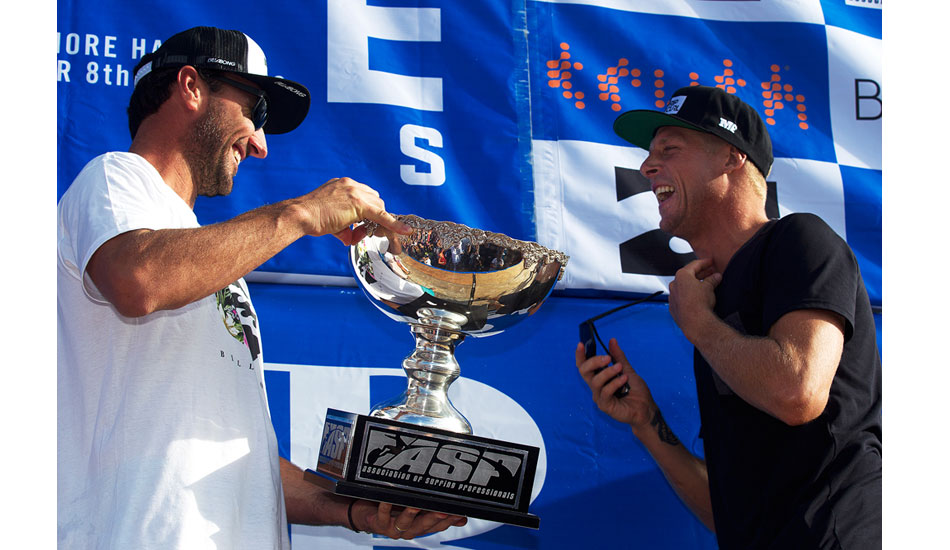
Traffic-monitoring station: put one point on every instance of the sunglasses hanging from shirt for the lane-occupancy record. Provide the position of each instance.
(590, 337)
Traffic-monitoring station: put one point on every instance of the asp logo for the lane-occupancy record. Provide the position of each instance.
(335, 443)
(443, 465)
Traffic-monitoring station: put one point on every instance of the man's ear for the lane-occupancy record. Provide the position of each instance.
(187, 88)
(736, 159)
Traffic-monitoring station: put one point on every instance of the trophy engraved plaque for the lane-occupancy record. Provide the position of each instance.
(405, 464)
(446, 281)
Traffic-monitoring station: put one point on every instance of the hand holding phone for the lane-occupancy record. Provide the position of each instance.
(587, 332)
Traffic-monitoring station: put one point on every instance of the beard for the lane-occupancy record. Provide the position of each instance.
(209, 154)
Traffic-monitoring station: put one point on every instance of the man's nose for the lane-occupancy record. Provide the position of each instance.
(257, 144)
(649, 167)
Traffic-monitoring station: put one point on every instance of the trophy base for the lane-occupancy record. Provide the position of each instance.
(422, 467)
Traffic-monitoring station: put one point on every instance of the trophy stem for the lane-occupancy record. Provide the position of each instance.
(431, 369)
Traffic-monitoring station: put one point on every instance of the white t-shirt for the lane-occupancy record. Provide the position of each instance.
(164, 435)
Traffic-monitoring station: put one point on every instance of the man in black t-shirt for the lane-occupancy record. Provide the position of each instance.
(788, 374)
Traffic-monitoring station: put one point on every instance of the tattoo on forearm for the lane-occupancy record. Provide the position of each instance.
(663, 430)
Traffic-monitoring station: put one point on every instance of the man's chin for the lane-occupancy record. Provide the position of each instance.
(221, 191)
(670, 228)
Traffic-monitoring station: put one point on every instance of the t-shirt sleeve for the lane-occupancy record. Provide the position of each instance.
(108, 198)
(809, 266)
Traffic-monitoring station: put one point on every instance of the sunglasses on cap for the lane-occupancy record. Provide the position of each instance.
(259, 111)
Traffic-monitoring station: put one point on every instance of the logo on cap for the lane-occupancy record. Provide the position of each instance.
(220, 61)
(728, 125)
(290, 89)
(675, 104)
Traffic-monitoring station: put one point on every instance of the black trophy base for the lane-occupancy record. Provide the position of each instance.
(408, 465)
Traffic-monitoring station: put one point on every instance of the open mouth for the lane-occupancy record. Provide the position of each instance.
(663, 192)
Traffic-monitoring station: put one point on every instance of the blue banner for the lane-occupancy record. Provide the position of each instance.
(596, 486)
(457, 152)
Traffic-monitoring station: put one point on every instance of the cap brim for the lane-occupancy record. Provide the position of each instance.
(287, 102)
(639, 127)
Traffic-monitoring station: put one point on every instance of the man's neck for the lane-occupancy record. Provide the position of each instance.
(721, 243)
(171, 165)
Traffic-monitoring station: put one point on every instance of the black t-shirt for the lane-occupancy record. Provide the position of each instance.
(812, 486)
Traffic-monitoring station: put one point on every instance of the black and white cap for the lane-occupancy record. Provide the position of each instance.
(706, 109)
(235, 52)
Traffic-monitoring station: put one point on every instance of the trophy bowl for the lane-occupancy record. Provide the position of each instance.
(448, 281)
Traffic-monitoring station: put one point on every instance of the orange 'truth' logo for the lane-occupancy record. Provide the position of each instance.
(776, 96)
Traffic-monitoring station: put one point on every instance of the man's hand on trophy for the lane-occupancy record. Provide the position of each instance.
(636, 407)
(380, 518)
(335, 206)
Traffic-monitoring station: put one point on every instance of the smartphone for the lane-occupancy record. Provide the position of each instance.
(590, 350)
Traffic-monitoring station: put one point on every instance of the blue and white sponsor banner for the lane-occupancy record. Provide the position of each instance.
(498, 114)
(812, 69)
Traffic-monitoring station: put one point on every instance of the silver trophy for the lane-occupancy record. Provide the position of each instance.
(448, 281)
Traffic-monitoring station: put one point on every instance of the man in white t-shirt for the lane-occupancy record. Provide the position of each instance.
(164, 435)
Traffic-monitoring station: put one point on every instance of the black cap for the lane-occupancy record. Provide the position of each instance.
(706, 109)
(232, 51)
